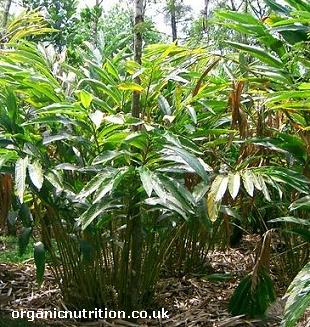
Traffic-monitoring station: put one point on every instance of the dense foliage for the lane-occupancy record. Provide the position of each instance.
(220, 146)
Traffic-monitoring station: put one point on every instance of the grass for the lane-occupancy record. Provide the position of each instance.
(9, 250)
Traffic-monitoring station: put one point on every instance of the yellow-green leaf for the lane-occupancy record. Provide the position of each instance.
(130, 86)
(86, 98)
(213, 207)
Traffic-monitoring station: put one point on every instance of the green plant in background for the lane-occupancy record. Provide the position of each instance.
(275, 74)
(61, 15)
(86, 174)
(116, 27)
(92, 30)
(255, 292)
(10, 250)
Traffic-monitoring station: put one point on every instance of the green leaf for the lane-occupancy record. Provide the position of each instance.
(67, 166)
(146, 179)
(300, 231)
(299, 5)
(253, 298)
(286, 176)
(94, 184)
(192, 113)
(159, 188)
(243, 18)
(259, 53)
(277, 7)
(57, 137)
(25, 215)
(23, 239)
(178, 194)
(39, 260)
(287, 95)
(303, 202)
(61, 108)
(106, 156)
(11, 105)
(86, 98)
(94, 211)
(298, 297)
(36, 174)
(265, 191)
(109, 90)
(137, 139)
(55, 180)
(199, 191)
(164, 105)
(220, 277)
(291, 219)
(191, 160)
(20, 177)
(104, 188)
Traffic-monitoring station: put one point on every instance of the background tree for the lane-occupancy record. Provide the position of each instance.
(116, 29)
(178, 14)
(6, 5)
(62, 16)
(206, 29)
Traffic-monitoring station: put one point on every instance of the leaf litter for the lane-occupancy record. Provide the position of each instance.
(191, 300)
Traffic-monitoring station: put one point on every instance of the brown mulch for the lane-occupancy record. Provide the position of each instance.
(191, 300)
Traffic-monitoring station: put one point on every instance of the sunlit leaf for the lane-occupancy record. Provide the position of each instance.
(248, 183)
(234, 184)
(20, 177)
(36, 174)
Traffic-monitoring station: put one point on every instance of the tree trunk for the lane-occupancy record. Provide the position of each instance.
(233, 6)
(206, 10)
(246, 6)
(134, 214)
(206, 17)
(6, 189)
(6, 13)
(139, 9)
(173, 20)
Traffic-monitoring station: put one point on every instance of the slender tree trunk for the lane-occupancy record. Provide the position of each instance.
(206, 9)
(233, 6)
(134, 214)
(6, 188)
(6, 12)
(139, 9)
(206, 18)
(173, 20)
(246, 6)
